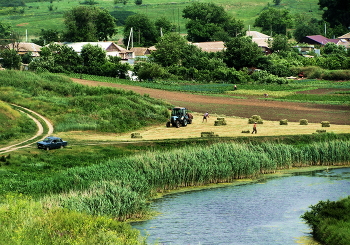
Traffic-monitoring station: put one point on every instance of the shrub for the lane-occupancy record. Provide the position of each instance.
(284, 122)
(303, 122)
(336, 75)
(265, 77)
(325, 124)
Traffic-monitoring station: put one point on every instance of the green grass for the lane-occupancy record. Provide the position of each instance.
(35, 13)
(73, 106)
(14, 125)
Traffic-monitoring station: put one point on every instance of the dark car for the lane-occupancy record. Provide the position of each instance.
(52, 143)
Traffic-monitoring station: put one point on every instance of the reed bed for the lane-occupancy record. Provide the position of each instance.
(123, 187)
(25, 221)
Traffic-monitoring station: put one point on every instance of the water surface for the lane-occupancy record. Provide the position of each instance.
(265, 212)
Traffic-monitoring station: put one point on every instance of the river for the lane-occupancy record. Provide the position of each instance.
(263, 212)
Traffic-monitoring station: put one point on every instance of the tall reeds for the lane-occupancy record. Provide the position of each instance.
(122, 187)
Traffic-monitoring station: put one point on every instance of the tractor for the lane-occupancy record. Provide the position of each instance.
(179, 117)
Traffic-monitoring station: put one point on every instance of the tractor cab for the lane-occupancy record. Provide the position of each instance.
(179, 117)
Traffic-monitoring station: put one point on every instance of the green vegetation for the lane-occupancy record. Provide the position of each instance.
(13, 125)
(25, 221)
(330, 221)
(76, 107)
(30, 17)
(122, 187)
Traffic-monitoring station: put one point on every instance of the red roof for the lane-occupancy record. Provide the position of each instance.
(321, 39)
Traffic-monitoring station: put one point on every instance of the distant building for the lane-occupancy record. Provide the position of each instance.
(217, 46)
(111, 49)
(317, 40)
(23, 48)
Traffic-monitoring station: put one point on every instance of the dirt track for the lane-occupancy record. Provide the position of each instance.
(268, 110)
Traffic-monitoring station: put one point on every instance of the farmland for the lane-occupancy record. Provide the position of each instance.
(29, 20)
(119, 180)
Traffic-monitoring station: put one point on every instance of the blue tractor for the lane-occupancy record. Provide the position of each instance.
(179, 117)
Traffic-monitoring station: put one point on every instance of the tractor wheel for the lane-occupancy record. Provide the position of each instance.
(184, 123)
(177, 124)
(168, 124)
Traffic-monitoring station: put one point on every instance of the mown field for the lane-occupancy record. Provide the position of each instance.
(33, 17)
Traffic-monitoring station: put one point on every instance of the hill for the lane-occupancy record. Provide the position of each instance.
(72, 106)
(12, 124)
(28, 20)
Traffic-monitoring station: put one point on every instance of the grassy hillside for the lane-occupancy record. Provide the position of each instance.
(13, 124)
(34, 15)
(72, 106)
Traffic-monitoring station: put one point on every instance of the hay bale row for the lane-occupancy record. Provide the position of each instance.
(136, 135)
(245, 131)
(321, 131)
(209, 134)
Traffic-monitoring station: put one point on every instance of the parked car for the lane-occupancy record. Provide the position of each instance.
(51, 142)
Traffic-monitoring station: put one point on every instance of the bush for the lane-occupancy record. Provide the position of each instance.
(303, 122)
(336, 75)
(266, 77)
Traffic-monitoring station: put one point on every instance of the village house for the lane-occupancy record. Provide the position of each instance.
(24, 48)
(217, 46)
(111, 49)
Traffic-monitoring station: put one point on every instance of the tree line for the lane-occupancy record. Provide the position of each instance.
(175, 57)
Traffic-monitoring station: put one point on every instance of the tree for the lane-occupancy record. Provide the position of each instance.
(336, 12)
(47, 36)
(5, 34)
(164, 24)
(88, 24)
(10, 59)
(332, 48)
(308, 28)
(241, 52)
(144, 31)
(274, 21)
(93, 55)
(279, 43)
(138, 2)
(277, 2)
(206, 20)
(170, 50)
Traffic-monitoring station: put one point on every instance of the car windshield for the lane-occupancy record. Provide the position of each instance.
(47, 140)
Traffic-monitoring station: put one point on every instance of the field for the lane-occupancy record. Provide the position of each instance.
(29, 21)
(330, 101)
